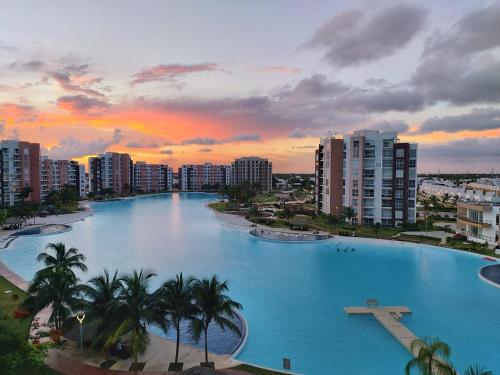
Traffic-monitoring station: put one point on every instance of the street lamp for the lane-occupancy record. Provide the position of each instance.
(80, 317)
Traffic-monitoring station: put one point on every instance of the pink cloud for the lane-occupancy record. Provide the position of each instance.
(278, 69)
(170, 71)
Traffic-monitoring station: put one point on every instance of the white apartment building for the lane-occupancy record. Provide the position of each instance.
(370, 172)
(480, 221)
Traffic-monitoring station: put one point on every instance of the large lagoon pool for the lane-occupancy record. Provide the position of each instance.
(294, 293)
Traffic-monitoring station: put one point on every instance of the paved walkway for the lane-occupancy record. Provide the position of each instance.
(7, 236)
(438, 234)
(240, 222)
(69, 366)
(159, 354)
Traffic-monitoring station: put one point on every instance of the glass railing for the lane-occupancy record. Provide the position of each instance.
(472, 220)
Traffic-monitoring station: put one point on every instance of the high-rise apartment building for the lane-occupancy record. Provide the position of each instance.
(111, 171)
(253, 170)
(150, 178)
(200, 177)
(371, 173)
(56, 174)
(83, 181)
(19, 169)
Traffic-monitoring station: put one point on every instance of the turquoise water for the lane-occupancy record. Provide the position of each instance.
(293, 294)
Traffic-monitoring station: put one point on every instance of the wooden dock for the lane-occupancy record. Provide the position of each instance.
(388, 317)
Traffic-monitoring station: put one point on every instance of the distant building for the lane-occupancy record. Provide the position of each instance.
(19, 169)
(202, 177)
(150, 178)
(253, 170)
(111, 171)
(370, 172)
(56, 174)
(83, 181)
(480, 221)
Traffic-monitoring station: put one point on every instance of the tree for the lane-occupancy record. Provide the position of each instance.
(445, 198)
(18, 356)
(332, 220)
(376, 228)
(56, 284)
(434, 202)
(285, 213)
(25, 192)
(135, 310)
(212, 305)
(430, 354)
(62, 262)
(349, 213)
(101, 294)
(477, 370)
(177, 299)
(253, 211)
(59, 291)
(69, 194)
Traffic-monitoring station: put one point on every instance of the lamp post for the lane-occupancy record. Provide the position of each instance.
(80, 317)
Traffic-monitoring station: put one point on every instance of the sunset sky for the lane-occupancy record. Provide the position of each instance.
(192, 81)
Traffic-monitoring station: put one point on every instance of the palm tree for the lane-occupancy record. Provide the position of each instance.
(135, 310)
(63, 261)
(443, 368)
(56, 285)
(59, 291)
(213, 305)
(101, 292)
(477, 370)
(429, 355)
(445, 198)
(349, 213)
(177, 297)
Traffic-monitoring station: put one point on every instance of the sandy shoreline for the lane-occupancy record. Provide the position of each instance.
(6, 236)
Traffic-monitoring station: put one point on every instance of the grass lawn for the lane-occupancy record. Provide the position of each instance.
(8, 305)
(256, 370)
(266, 198)
(19, 326)
(218, 206)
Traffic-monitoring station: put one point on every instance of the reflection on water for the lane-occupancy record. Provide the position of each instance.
(293, 294)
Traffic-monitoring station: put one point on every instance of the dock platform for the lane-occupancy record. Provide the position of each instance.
(388, 317)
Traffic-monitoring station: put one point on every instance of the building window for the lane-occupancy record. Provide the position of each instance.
(388, 142)
(354, 192)
(400, 163)
(400, 153)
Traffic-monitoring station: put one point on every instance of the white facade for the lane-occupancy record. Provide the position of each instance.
(374, 183)
(480, 221)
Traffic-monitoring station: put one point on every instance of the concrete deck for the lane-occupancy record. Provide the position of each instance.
(388, 317)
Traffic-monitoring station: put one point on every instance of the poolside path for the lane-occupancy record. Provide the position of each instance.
(7, 236)
(70, 366)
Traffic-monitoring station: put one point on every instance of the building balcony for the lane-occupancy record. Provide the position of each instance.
(475, 235)
(473, 221)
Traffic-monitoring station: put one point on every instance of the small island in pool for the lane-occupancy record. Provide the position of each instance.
(43, 230)
(272, 235)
